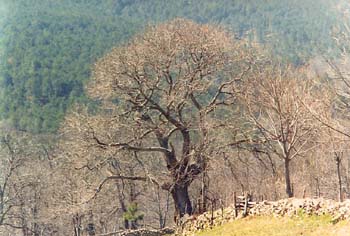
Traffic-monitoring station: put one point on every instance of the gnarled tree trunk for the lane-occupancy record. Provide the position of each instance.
(182, 200)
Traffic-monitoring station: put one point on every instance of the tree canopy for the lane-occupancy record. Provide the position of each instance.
(163, 94)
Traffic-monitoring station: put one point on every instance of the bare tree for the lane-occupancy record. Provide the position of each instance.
(11, 160)
(276, 107)
(162, 95)
(21, 183)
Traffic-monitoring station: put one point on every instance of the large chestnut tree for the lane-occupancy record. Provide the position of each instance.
(162, 95)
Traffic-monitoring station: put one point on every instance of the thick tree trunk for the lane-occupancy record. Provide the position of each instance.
(181, 200)
(289, 190)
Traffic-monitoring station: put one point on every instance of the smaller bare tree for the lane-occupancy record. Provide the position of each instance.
(275, 106)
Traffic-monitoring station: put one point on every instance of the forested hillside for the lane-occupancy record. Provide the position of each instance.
(48, 47)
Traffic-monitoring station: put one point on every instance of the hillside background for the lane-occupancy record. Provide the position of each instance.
(48, 47)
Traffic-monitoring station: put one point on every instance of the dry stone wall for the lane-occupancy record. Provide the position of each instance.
(286, 207)
(142, 232)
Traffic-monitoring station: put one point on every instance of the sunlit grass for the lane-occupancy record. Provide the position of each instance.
(270, 226)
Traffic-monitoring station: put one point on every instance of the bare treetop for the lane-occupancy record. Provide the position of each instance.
(172, 61)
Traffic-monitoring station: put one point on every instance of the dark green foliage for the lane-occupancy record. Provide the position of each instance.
(133, 215)
(49, 49)
(49, 46)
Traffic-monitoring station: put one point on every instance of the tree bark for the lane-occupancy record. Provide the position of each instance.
(181, 200)
(340, 184)
(289, 190)
(204, 189)
(122, 204)
(77, 224)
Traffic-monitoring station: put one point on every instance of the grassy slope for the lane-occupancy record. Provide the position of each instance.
(268, 226)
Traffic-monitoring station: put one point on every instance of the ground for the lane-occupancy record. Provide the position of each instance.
(270, 226)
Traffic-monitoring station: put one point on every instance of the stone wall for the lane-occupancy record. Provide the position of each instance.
(141, 232)
(286, 207)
